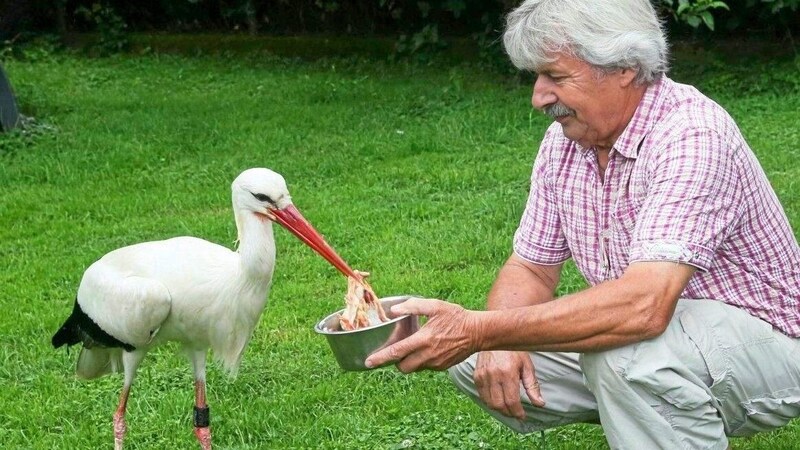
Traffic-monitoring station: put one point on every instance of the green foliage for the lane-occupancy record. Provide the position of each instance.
(420, 28)
(777, 6)
(328, 6)
(694, 12)
(110, 25)
(426, 40)
(736, 16)
(37, 49)
(422, 43)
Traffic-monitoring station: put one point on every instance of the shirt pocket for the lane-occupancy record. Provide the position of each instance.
(623, 217)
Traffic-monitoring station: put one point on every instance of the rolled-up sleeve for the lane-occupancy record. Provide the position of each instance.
(694, 201)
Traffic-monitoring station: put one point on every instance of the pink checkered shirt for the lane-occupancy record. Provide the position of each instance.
(681, 185)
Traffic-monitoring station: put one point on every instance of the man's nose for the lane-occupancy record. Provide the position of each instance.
(542, 93)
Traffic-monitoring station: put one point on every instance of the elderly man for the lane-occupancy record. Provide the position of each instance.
(689, 331)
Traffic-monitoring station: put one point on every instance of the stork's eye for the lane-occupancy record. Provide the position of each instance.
(263, 198)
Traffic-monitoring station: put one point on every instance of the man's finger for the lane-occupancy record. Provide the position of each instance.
(410, 363)
(496, 399)
(394, 352)
(414, 305)
(532, 387)
(512, 401)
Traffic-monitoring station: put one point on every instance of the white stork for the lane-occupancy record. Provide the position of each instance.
(186, 290)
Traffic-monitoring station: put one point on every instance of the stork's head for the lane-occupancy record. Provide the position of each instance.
(263, 193)
(260, 191)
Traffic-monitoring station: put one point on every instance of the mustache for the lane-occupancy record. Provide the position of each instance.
(557, 110)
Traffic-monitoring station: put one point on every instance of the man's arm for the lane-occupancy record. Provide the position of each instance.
(523, 283)
(632, 308)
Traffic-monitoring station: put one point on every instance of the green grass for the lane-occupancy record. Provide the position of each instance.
(416, 173)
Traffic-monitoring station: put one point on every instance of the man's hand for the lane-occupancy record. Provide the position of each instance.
(447, 338)
(498, 375)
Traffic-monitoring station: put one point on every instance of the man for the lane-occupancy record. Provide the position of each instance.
(689, 331)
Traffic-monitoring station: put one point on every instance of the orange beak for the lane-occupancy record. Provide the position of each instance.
(291, 219)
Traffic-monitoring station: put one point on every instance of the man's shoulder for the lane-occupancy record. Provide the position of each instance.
(690, 123)
(684, 107)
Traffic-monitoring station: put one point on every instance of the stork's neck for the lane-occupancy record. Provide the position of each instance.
(256, 245)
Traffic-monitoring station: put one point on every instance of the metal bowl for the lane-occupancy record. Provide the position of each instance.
(351, 348)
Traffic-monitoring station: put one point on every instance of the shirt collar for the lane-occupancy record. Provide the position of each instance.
(643, 119)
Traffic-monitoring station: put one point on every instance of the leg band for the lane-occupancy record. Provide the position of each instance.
(202, 417)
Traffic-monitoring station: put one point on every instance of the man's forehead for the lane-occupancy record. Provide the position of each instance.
(561, 61)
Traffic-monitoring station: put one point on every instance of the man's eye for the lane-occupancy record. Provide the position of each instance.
(550, 77)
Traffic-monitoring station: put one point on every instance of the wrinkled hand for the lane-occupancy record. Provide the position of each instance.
(447, 338)
(498, 375)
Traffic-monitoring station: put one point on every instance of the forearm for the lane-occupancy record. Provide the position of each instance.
(611, 314)
(566, 324)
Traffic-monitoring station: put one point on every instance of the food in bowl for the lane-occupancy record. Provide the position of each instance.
(362, 308)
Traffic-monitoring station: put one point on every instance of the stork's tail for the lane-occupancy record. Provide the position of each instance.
(98, 361)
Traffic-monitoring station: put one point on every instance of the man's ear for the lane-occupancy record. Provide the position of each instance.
(627, 76)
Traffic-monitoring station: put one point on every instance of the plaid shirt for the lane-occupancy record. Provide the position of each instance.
(681, 185)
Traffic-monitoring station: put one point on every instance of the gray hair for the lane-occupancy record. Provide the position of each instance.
(608, 34)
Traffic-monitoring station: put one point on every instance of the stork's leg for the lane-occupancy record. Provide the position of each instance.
(119, 417)
(202, 417)
(130, 362)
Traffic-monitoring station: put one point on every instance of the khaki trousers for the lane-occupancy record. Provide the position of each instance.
(715, 372)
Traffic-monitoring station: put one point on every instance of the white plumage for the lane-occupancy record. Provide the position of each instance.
(186, 290)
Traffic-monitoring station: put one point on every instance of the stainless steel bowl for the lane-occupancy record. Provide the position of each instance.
(351, 348)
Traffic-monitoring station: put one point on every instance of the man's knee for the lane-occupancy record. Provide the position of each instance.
(652, 371)
(603, 367)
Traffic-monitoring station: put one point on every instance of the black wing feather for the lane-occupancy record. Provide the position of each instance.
(80, 328)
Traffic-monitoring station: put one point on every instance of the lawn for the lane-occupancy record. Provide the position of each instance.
(415, 172)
